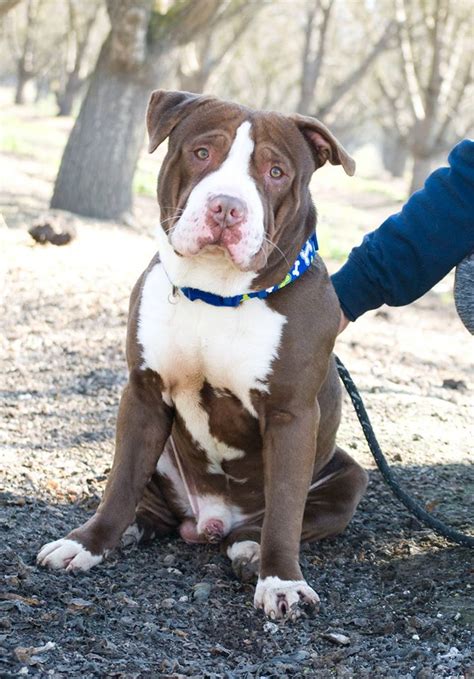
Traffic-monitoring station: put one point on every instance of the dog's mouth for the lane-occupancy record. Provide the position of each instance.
(211, 246)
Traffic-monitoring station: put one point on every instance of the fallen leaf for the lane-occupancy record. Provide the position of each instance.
(29, 601)
(25, 653)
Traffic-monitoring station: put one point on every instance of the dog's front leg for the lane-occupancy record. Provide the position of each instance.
(143, 426)
(289, 450)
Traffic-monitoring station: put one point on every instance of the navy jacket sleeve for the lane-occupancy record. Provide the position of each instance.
(414, 249)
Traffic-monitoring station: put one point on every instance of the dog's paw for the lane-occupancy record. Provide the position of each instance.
(245, 557)
(282, 599)
(132, 536)
(68, 555)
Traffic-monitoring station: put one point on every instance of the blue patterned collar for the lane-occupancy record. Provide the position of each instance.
(302, 263)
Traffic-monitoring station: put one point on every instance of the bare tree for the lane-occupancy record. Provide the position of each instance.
(314, 83)
(34, 41)
(77, 43)
(318, 14)
(98, 164)
(340, 90)
(426, 89)
(215, 45)
(24, 49)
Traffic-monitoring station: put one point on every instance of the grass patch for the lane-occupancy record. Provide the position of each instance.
(144, 183)
(34, 137)
(339, 229)
(393, 191)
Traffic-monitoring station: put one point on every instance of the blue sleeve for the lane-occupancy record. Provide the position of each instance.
(414, 249)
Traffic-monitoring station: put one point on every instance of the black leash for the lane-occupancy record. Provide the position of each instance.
(418, 511)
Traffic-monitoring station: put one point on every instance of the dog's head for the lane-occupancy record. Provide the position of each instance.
(234, 183)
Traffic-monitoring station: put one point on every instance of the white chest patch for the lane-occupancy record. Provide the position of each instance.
(188, 343)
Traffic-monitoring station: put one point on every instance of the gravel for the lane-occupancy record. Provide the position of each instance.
(394, 598)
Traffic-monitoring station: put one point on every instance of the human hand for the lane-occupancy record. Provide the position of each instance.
(343, 323)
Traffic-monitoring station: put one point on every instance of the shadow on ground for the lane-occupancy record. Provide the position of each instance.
(396, 591)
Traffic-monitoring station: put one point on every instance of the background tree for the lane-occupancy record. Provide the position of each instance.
(316, 25)
(395, 74)
(199, 60)
(25, 47)
(81, 20)
(98, 164)
(34, 43)
(427, 84)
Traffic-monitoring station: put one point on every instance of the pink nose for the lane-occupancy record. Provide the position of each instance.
(226, 211)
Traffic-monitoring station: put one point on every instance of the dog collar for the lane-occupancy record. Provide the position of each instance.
(302, 263)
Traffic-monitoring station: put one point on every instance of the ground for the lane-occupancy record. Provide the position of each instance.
(396, 592)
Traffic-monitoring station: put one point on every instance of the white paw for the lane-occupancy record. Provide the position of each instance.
(67, 554)
(282, 598)
(247, 549)
(245, 557)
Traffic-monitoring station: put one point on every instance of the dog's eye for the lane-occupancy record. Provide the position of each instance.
(202, 153)
(276, 172)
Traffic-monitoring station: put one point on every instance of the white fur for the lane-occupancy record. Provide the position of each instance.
(188, 342)
(197, 422)
(210, 270)
(215, 507)
(165, 467)
(271, 591)
(246, 549)
(232, 178)
(67, 554)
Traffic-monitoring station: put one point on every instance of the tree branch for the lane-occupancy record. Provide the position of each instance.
(353, 78)
(453, 109)
(408, 60)
(312, 65)
(392, 102)
(182, 22)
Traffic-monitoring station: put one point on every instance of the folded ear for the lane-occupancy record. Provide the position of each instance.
(165, 110)
(323, 143)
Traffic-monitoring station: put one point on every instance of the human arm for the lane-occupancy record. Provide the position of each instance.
(415, 248)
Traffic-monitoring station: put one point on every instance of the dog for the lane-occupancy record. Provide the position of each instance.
(226, 428)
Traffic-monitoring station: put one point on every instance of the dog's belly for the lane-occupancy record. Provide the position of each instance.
(203, 353)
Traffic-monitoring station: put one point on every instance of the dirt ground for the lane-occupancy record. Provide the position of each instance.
(398, 593)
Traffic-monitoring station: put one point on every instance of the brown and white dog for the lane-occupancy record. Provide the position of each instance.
(226, 428)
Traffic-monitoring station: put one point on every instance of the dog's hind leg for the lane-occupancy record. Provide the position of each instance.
(154, 517)
(242, 546)
(333, 497)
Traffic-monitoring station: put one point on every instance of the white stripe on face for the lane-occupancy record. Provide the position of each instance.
(233, 179)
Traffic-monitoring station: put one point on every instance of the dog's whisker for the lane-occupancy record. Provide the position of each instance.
(270, 242)
(169, 219)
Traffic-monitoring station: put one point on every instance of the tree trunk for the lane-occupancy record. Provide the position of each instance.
(313, 63)
(107, 137)
(42, 88)
(421, 170)
(21, 80)
(67, 97)
(394, 155)
(96, 172)
(66, 102)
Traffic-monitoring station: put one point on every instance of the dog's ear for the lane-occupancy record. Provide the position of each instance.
(323, 143)
(165, 110)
